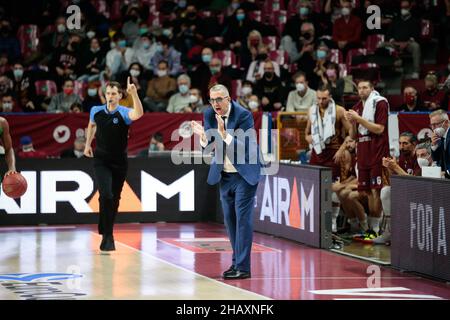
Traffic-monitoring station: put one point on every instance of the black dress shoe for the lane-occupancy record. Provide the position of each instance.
(109, 244)
(237, 274)
(230, 270)
(102, 245)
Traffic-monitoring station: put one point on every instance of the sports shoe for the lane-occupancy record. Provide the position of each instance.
(383, 239)
(367, 237)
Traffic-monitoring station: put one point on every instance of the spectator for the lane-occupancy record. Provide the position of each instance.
(8, 104)
(196, 104)
(62, 101)
(131, 26)
(119, 58)
(27, 149)
(200, 73)
(334, 83)
(302, 98)
(159, 89)
(305, 14)
(237, 29)
(218, 75)
(300, 49)
(407, 161)
(165, 51)
(66, 64)
(433, 98)
(179, 101)
(5, 84)
(92, 61)
(347, 29)
(156, 144)
(404, 33)
(76, 108)
(9, 44)
(245, 94)
(77, 151)
(93, 97)
(23, 88)
(440, 140)
(256, 68)
(55, 36)
(250, 52)
(136, 74)
(254, 103)
(411, 101)
(144, 51)
(423, 155)
(270, 90)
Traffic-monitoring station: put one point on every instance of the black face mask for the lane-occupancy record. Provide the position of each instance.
(268, 75)
(134, 18)
(75, 45)
(307, 36)
(191, 15)
(261, 57)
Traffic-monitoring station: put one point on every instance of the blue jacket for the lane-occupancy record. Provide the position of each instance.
(240, 118)
(442, 156)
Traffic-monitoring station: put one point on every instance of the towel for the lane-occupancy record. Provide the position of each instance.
(370, 106)
(322, 131)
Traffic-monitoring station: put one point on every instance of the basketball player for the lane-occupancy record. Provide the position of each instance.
(110, 123)
(5, 138)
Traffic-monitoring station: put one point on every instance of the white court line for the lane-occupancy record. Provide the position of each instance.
(187, 270)
(361, 257)
(36, 228)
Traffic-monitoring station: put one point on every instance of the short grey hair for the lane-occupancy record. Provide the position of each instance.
(443, 114)
(184, 77)
(424, 145)
(220, 88)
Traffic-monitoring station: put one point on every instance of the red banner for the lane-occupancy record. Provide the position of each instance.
(419, 124)
(53, 133)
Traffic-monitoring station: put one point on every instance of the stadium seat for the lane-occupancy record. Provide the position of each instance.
(395, 102)
(255, 15)
(292, 8)
(273, 6)
(79, 88)
(28, 35)
(46, 88)
(115, 13)
(418, 84)
(272, 42)
(280, 56)
(236, 86)
(373, 42)
(227, 57)
(277, 19)
(336, 56)
(426, 30)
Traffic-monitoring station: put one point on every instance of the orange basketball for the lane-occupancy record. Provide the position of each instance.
(14, 185)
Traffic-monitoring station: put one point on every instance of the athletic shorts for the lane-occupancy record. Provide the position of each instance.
(373, 178)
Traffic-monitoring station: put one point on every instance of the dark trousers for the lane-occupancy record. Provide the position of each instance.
(110, 179)
(238, 197)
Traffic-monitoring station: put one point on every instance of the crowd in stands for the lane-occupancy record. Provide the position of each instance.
(272, 54)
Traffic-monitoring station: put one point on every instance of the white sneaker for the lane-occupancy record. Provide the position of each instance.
(383, 238)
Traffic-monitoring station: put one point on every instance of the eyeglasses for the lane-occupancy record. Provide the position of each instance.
(437, 124)
(217, 100)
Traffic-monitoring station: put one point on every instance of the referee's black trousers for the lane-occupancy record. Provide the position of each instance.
(110, 179)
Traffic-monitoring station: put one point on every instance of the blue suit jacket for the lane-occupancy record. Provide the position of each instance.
(442, 156)
(240, 118)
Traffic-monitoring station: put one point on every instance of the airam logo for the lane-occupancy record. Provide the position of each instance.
(281, 201)
(43, 286)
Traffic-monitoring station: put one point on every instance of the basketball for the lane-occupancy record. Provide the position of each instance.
(14, 185)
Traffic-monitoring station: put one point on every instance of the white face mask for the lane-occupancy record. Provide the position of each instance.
(61, 28)
(78, 154)
(345, 11)
(193, 98)
(161, 73)
(423, 162)
(135, 73)
(404, 12)
(300, 87)
(90, 34)
(246, 91)
(253, 104)
(7, 106)
(439, 132)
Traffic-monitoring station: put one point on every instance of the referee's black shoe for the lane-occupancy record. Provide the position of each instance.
(108, 243)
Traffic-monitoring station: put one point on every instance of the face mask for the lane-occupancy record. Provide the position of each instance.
(159, 48)
(68, 91)
(261, 57)
(92, 92)
(439, 132)
(300, 87)
(304, 11)
(240, 16)
(61, 28)
(331, 73)
(78, 154)
(7, 106)
(18, 73)
(182, 4)
(122, 43)
(112, 45)
(95, 50)
(268, 75)
(404, 12)
(193, 98)
(145, 45)
(409, 99)
(235, 5)
(206, 58)
(214, 70)
(161, 73)
(423, 162)
(90, 34)
(253, 104)
(143, 31)
(183, 88)
(345, 11)
(246, 91)
(276, 6)
(153, 147)
(167, 32)
(135, 73)
(307, 36)
(321, 54)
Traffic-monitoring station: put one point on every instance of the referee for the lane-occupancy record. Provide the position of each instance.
(109, 124)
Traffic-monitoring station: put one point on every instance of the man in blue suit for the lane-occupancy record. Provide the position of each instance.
(440, 140)
(229, 127)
